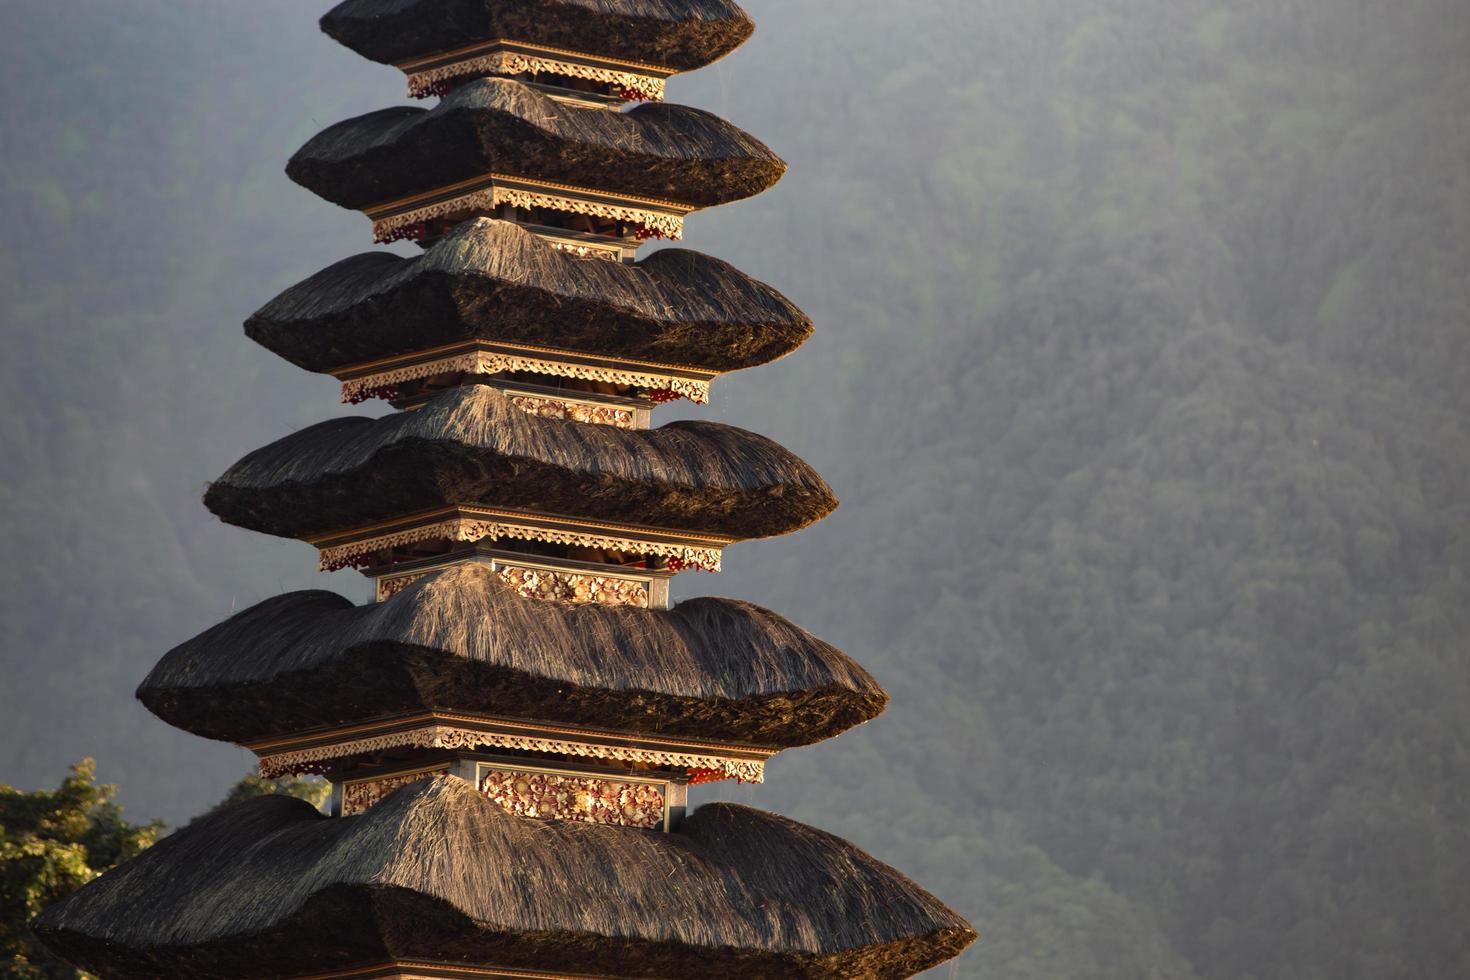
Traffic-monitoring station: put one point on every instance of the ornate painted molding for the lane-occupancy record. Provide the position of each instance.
(573, 796)
(631, 84)
(562, 586)
(572, 410)
(479, 361)
(440, 734)
(361, 795)
(654, 218)
(388, 587)
(467, 530)
(583, 250)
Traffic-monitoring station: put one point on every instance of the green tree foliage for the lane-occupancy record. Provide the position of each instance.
(51, 843)
(54, 842)
(312, 789)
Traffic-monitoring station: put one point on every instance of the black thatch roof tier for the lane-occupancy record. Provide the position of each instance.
(494, 280)
(496, 125)
(682, 34)
(470, 445)
(270, 888)
(463, 640)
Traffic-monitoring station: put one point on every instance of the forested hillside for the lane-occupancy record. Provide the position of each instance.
(1142, 368)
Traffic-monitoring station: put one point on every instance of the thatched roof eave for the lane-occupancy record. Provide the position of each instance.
(496, 125)
(494, 280)
(470, 445)
(462, 640)
(251, 891)
(679, 34)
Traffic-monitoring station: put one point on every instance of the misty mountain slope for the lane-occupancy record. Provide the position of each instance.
(1160, 459)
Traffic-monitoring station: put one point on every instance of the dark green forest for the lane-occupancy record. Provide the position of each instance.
(1142, 368)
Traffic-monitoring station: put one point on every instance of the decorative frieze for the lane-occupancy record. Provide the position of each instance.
(632, 81)
(468, 525)
(361, 795)
(575, 411)
(457, 732)
(563, 580)
(649, 218)
(541, 583)
(486, 358)
(564, 796)
(584, 250)
(388, 587)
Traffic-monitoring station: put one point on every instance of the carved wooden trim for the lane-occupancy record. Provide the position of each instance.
(426, 83)
(703, 760)
(467, 530)
(658, 218)
(483, 361)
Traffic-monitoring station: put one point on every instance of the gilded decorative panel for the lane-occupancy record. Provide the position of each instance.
(556, 408)
(360, 796)
(390, 587)
(557, 796)
(539, 583)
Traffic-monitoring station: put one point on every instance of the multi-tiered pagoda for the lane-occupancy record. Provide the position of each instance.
(511, 728)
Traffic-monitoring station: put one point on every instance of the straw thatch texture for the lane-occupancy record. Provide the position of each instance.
(493, 280)
(270, 888)
(668, 152)
(683, 34)
(462, 640)
(470, 445)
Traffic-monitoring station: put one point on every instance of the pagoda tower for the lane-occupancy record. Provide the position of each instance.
(511, 728)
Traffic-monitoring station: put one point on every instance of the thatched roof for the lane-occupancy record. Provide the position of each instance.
(682, 34)
(462, 640)
(493, 280)
(270, 888)
(470, 445)
(496, 125)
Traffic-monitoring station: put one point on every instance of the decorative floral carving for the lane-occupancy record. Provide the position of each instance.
(537, 583)
(552, 796)
(651, 224)
(556, 408)
(490, 362)
(390, 587)
(469, 530)
(655, 223)
(585, 251)
(455, 529)
(630, 85)
(385, 392)
(437, 736)
(360, 797)
(414, 231)
(699, 776)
